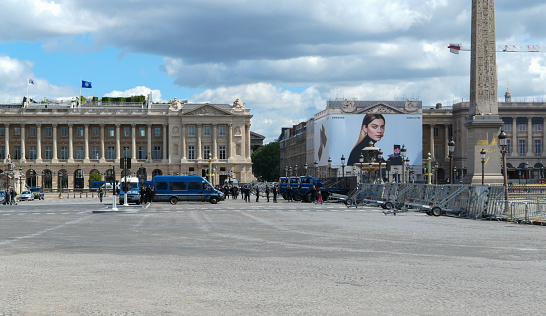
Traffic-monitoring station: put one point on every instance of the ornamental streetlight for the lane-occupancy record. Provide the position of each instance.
(502, 141)
(455, 174)
(380, 158)
(316, 169)
(482, 157)
(403, 154)
(342, 166)
(296, 170)
(435, 173)
(305, 168)
(451, 146)
(361, 160)
(329, 166)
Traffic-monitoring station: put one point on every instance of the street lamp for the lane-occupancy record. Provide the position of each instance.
(361, 160)
(296, 170)
(316, 169)
(435, 173)
(329, 166)
(451, 146)
(455, 174)
(482, 157)
(502, 141)
(290, 171)
(403, 154)
(286, 171)
(305, 168)
(526, 171)
(380, 158)
(342, 166)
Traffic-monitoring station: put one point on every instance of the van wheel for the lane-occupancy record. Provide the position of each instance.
(436, 211)
(213, 200)
(173, 200)
(308, 197)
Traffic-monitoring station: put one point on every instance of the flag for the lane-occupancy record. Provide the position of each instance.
(86, 84)
(30, 82)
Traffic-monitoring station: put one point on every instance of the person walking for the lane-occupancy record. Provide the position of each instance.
(319, 195)
(257, 194)
(274, 194)
(289, 194)
(313, 193)
(247, 193)
(101, 193)
(267, 192)
(148, 194)
(8, 197)
(13, 194)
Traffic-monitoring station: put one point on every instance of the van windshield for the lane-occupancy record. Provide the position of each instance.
(130, 186)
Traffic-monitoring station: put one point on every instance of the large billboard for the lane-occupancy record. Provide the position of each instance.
(348, 134)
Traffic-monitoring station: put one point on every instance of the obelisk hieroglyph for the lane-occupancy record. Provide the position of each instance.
(483, 122)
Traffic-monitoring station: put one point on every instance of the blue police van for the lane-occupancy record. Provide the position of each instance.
(184, 188)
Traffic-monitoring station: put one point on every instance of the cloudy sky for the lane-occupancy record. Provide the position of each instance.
(283, 58)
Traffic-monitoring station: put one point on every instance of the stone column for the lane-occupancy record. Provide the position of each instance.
(86, 144)
(118, 143)
(431, 150)
(446, 141)
(530, 145)
(183, 142)
(70, 144)
(164, 149)
(133, 143)
(23, 144)
(515, 148)
(230, 141)
(198, 149)
(215, 141)
(38, 143)
(247, 140)
(149, 145)
(55, 158)
(6, 141)
(102, 153)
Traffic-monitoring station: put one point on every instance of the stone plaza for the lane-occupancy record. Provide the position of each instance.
(58, 257)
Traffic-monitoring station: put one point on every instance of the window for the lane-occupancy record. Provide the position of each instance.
(538, 147)
(194, 185)
(206, 151)
(48, 152)
(111, 131)
(17, 152)
(161, 186)
(538, 127)
(48, 132)
(178, 186)
(157, 152)
(508, 146)
(126, 152)
(222, 150)
(522, 127)
(111, 154)
(191, 130)
(142, 132)
(191, 152)
(222, 130)
(157, 131)
(16, 131)
(79, 152)
(64, 152)
(522, 149)
(507, 127)
(126, 132)
(206, 130)
(64, 131)
(2, 152)
(95, 132)
(32, 152)
(32, 131)
(142, 152)
(79, 131)
(95, 152)
(436, 131)
(2, 131)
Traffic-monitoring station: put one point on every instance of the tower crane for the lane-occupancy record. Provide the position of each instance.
(456, 48)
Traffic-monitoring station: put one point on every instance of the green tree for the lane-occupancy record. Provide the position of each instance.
(266, 162)
(94, 177)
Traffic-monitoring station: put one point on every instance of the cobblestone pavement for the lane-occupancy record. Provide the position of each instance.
(57, 257)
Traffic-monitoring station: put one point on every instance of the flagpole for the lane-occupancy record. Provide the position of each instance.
(80, 96)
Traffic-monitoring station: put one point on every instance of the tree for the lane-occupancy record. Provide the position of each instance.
(95, 176)
(266, 162)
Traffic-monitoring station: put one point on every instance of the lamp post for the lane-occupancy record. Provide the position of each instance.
(290, 171)
(316, 169)
(210, 168)
(305, 169)
(526, 171)
(329, 166)
(502, 141)
(286, 171)
(380, 158)
(435, 173)
(429, 173)
(361, 160)
(482, 157)
(455, 174)
(451, 146)
(342, 166)
(296, 170)
(403, 154)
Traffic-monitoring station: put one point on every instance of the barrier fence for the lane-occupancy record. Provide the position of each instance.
(470, 201)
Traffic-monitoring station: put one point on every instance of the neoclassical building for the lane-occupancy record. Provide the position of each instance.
(54, 144)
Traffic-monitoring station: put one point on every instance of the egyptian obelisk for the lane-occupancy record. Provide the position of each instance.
(483, 122)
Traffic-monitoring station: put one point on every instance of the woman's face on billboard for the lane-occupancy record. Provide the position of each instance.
(375, 129)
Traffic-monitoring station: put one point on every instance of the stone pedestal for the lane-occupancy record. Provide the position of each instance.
(483, 133)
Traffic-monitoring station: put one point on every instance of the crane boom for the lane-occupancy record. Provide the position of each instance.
(456, 48)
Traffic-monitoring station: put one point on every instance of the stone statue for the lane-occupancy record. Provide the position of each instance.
(175, 105)
(238, 105)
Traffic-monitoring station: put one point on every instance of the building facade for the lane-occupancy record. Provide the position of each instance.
(56, 145)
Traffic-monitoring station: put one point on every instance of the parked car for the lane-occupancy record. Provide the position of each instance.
(26, 196)
(2, 196)
(38, 192)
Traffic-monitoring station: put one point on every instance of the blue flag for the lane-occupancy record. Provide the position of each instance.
(86, 84)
